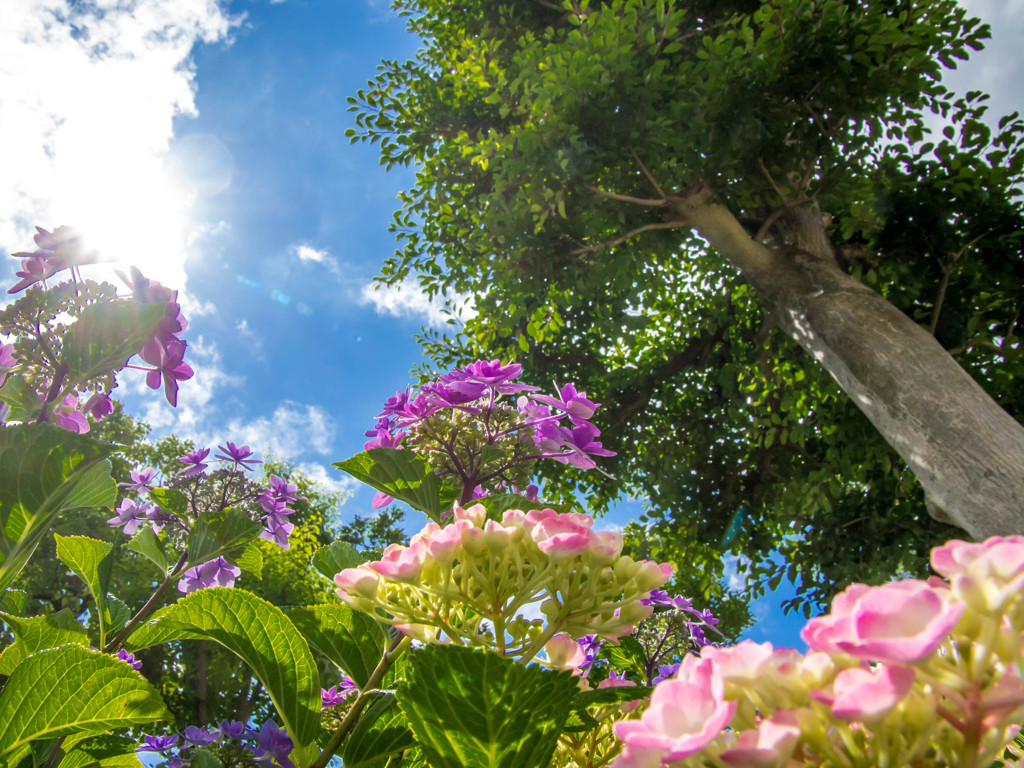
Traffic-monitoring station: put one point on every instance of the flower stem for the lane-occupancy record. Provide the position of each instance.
(397, 647)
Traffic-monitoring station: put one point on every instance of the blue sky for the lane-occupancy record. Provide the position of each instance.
(204, 141)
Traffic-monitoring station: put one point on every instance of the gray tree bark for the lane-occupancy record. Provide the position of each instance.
(966, 451)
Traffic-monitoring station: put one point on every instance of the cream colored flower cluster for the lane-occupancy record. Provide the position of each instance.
(473, 582)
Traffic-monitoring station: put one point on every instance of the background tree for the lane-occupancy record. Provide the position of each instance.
(656, 199)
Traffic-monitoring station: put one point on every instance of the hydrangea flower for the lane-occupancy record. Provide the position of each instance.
(214, 573)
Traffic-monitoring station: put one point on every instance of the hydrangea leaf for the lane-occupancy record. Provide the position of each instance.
(72, 689)
(628, 656)
(251, 560)
(581, 720)
(45, 470)
(336, 557)
(381, 731)
(106, 334)
(106, 751)
(466, 707)
(38, 634)
(170, 500)
(220, 532)
(147, 544)
(91, 561)
(401, 474)
(352, 640)
(259, 634)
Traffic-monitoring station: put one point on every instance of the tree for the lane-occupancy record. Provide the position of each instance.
(658, 198)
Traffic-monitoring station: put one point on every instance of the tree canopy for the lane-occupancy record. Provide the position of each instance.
(656, 199)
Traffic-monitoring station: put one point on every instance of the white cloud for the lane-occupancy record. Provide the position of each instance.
(294, 429)
(88, 93)
(329, 479)
(309, 255)
(407, 299)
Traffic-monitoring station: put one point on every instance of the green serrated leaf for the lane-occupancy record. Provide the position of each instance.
(350, 639)
(220, 532)
(251, 560)
(336, 557)
(468, 707)
(38, 634)
(201, 758)
(45, 470)
(170, 500)
(106, 751)
(148, 544)
(581, 720)
(13, 601)
(105, 335)
(259, 634)
(118, 612)
(91, 560)
(71, 690)
(627, 656)
(401, 474)
(380, 732)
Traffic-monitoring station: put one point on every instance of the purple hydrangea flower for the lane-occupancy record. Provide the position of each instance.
(131, 515)
(99, 405)
(235, 455)
(194, 462)
(141, 480)
(234, 729)
(69, 417)
(281, 490)
(157, 743)
(274, 742)
(381, 500)
(384, 439)
(159, 517)
(394, 406)
(574, 404)
(167, 357)
(214, 573)
(129, 659)
(661, 597)
(333, 696)
(199, 737)
(665, 671)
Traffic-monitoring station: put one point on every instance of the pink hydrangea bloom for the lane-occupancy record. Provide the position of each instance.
(867, 695)
(357, 582)
(902, 621)
(400, 563)
(770, 745)
(562, 536)
(685, 714)
(1000, 556)
(742, 663)
(565, 653)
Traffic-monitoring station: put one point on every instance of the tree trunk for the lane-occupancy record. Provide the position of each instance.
(966, 451)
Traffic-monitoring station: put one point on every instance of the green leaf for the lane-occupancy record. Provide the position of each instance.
(91, 561)
(627, 656)
(259, 634)
(170, 500)
(381, 731)
(148, 544)
(45, 470)
(336, 557)
(501, 502)
(106, 751)
(251, 560)
(581, 720)
(469, 707)
(70, 690)
(14, 601)
(105, 335)
(220, 532)
(201, 758)
(401, 474)
(40, 633)
(352, 640)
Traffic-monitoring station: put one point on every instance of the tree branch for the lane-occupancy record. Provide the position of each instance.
(649, 202)
(675, 224)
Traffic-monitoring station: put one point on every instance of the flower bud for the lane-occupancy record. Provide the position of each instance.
(651, 575)
(564, 653)
(358, 582)
(475, 514)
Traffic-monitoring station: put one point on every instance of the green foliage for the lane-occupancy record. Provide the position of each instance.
(39, 633)
(351, 640)
(381, 732)
(259, 634)
(71, 690)
(44, 471)
(550, 142)
(92, 562)
(403, 475)
(467, 707)
(374, 531)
